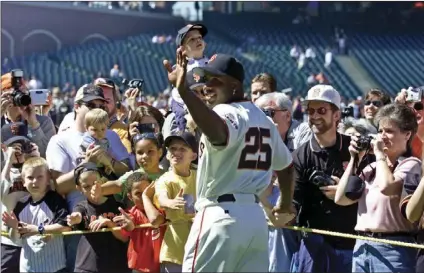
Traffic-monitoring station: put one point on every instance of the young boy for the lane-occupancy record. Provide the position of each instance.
(176, 192)
(96, 124)
(143, 253)
(16, 147)
(97, 252)
(41, 213)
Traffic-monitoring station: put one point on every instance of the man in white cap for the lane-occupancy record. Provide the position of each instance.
(319, 163)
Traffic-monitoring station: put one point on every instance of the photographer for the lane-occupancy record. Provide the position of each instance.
(41, 128)
(379, 190)
(318, 164)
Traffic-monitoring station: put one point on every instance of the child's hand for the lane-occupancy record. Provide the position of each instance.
(178, 202)
(96, 191)
(150, 191)
(14, 150)
(74, 218)
(124, 220)
(100, 223)
(10, 220)
(27, 230)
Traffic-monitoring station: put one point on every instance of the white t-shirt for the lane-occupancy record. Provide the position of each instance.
(67, 122)
(328, 57)
(254, 149)
(12, 191)
(64, 150)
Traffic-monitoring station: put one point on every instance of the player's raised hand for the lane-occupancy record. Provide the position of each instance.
(178, 202)
(181, 69)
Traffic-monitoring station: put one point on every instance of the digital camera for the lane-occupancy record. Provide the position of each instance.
(321, 179)
(146, 128)
(19, 98)
(414, 94)
(134, 83)
(347, 112)
(363, 143)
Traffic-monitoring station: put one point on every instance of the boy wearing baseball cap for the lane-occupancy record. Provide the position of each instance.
(176, 191)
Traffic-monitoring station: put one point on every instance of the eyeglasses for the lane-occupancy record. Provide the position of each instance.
(321, 111)
(375, 103)
(271, 112)
(92, 105)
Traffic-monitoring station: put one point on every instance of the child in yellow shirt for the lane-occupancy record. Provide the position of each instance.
(176, 192)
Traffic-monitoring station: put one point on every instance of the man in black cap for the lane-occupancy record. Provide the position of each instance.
(239, 149)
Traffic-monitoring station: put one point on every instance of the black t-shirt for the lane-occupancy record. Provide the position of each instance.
(315, 209)
(99, 252)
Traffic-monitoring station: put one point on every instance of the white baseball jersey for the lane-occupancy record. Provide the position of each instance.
(244, 165)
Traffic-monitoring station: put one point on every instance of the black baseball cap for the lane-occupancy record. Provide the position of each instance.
(185, 136)
(193, 80)
(14, 132)
(82, 168)
(183, 32)
(223, 65)
(89, 92)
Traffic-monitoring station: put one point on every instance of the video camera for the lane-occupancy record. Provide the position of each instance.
(19, 98)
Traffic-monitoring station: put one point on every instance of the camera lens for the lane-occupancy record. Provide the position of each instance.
(21, 99)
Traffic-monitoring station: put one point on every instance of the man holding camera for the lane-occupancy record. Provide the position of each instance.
(319, 163)
(16, 106)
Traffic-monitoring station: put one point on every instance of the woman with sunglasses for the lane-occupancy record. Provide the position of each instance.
(374, 100)
(379, 190)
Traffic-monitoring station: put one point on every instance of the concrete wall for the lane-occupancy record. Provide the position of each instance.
(48, 26)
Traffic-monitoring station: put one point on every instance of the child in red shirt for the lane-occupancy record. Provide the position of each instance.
(144, 247)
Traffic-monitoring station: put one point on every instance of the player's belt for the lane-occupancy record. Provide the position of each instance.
(231, 198)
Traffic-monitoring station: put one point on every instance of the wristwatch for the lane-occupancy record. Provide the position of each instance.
(41, 229)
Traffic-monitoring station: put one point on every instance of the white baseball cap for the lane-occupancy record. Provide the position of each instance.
(325, 93)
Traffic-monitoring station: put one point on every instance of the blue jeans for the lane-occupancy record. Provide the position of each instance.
(282, 244)
(71, 247)
(315, 255)
(380, 257)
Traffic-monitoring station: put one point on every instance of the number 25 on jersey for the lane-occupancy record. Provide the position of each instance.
(256, 155)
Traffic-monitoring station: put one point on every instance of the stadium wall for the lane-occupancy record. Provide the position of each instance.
(28, 28)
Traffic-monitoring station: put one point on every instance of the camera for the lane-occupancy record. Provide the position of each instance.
(415, 94)
(146, 128)
(347, 112)
(19, 98)
(363, 143)
(134, 83)
(321, 179)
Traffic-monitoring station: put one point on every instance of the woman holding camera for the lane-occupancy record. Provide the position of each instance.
(379, 190)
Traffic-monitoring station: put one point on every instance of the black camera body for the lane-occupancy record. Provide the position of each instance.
(19, 98)
(321, 179)
(347, 112)
(146, 128)
(134, 83)
(363, 143)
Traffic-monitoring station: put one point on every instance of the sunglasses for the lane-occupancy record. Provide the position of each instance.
(271, 112)
(321, 111)
(375, 103)
(92, 105)
(150, 136)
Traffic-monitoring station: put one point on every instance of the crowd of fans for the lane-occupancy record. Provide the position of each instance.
(94, 158)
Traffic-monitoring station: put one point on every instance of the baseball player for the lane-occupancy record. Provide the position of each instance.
(238, 150)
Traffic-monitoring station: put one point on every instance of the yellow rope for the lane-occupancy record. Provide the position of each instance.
(309, 230)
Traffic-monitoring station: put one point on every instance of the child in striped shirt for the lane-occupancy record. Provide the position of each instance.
(34, 219)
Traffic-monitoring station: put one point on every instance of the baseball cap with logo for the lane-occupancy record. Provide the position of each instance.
(223, 65)
(89, 92)
(325, 93)
(185, 136)
(14, 132)
(194, 80)
(183, 32)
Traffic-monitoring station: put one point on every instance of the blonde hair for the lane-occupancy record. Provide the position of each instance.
(95, 117)
(34, 162)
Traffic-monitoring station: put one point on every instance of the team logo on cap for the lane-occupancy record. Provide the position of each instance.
(14, 128)
(196, 77)
(212, 58)
(315, 92)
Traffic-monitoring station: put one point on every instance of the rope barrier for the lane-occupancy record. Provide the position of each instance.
(296, 228)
